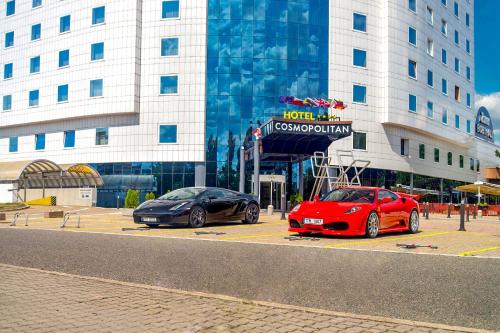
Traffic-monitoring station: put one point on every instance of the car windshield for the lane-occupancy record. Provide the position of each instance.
(350, 195)
(182, 194)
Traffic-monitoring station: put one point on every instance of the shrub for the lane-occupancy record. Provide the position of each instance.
(132, 199)
(296, 199)
(150, 196)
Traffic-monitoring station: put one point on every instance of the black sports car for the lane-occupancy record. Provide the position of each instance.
(195, 206)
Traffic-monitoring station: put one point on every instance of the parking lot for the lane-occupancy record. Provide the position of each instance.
(482, 238)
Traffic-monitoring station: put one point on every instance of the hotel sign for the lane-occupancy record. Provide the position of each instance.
(484, 125)
(334, 130)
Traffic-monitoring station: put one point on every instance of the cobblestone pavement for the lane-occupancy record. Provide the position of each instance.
(37, 301)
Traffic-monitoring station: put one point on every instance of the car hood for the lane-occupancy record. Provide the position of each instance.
(327, 208)
(157, 204)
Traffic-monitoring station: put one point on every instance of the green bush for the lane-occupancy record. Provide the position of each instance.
(483, 205)
(150, 196)
(296, 199)
(132, 199)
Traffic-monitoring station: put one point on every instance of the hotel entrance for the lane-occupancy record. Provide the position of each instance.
(271, 189)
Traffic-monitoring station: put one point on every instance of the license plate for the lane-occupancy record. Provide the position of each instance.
(313, 221)
(148, 219)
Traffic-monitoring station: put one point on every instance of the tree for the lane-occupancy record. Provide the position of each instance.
(497, 153)
(132, 199)
(150, 196)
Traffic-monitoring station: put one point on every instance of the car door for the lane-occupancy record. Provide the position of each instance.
(218, 205)
(388, 208)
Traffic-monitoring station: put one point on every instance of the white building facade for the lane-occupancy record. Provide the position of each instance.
(157, 94)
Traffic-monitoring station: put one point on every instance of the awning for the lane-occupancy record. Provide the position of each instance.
(480, 187)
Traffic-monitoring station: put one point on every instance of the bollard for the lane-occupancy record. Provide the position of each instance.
(474, 212)
(449, 210)
(462, 217)
(283, 207)
(467, 213)
(427, 208)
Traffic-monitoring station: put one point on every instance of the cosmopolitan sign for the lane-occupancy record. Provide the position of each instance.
(484, 125)
(332, 129)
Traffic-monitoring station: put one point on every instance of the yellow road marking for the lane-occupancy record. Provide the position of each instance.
(471, 253)
(388, 239)
(252, 236)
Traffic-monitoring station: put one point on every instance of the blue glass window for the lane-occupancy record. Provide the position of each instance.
(412, 5)
(36, 31)
(168, 84)
(467, 19)
(65, 24)
(461, 161)
(469, 126)
(457, 37)
(444, 117)
(359, 22)
(412, 69)
(359, 58)
(10, 8)
(170, 9)
(69, 139)
(169, 47)
(13, 144)
(101, 136)
(430, 109)
(7, 103)
(444, 56)
(412, 36)
(457, 121)
(456, 9)
(430, 78)
(444, 2)
(412, 103)
(436, 155)
(98, 15)
(8, 70)
(64, 58)
(467, 46)
(444, 86)
(358, 94)
(36, 3)
(469, 101)
(457, 65)
(34, 97)
(450, 158)
(96, 88)
(467, 73)
(9, 39)
(168, 133)
(359, 140)
(35, 65)
(40, 141)
(97, 51)
(62, 93)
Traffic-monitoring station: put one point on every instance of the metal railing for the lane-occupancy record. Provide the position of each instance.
(67, 217)
(16, 217)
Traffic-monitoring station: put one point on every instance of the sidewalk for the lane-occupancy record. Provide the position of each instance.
(36, 301)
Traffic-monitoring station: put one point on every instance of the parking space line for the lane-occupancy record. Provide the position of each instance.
(471, 253)
(388, 239)
(253, 236)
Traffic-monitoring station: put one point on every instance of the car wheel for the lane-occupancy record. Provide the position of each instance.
(414, 222)
(251, 214)
(372, 225)
(197, 217)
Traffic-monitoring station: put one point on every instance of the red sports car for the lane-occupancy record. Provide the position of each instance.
(356, 211)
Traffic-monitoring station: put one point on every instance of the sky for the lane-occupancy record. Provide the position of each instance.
(487, 57)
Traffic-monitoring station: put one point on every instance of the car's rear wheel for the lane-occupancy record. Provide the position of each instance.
(197, 217)
(372, 225)
(414, 222)
(251, 214)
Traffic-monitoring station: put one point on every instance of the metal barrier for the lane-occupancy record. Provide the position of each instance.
(67, 217)
(16, 217)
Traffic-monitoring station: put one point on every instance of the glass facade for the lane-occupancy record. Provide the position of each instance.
(258, 50)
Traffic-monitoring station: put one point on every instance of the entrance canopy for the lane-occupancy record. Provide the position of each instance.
(47, 174)
(480, 187)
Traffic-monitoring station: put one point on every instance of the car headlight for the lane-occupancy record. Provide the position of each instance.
(352, 210)
(295, 209)
(178, 206)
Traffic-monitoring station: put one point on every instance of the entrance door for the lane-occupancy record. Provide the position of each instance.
(271, 188)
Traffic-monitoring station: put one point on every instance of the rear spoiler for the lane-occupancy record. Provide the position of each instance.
(409, 196)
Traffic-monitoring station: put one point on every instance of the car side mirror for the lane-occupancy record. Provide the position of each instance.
(403, 199)
(316, 198)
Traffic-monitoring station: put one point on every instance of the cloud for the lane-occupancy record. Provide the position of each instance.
(492, 103)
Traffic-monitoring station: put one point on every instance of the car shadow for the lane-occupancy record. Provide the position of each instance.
(207, 225)
(381, 236)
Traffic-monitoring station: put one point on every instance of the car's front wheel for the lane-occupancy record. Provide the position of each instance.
(372, 225)
(251, 214)
(414, 222)
(197, 217)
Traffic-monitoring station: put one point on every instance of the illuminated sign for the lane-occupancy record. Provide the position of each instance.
(484, 125)
(332, 130)
(304, 115)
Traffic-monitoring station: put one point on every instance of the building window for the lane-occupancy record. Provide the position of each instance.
(168, 85)
(169, 47)
(9, 39)
(359, 22)
(456, 9)
(7, 103)
(36, 31)
(358, 94)
(478, 166)
(467, 73)
(457, 37)
(359, 58)
(8, 71)
(430, 15)
(412, 36)
(457, 65)
(471, 164)
(101, 136)
(170, 9)
(468, 100)
(35, 65)
(430, 109)
(36, 3)
(97, 51)
(450, 158)
(457, 121)
(62, 93)
(40, 141)
(444, 86)
(64, 58)
(467, 46)
(444, 117)
(412, 5)
(359, 141)
(436, 155)
(96, 88)
(10, 8)
(65, 24)
(34, 98)
(444, 27)
(469, 126)
(412, 69)
(444, 3)
(168, 134)
(412, 103)
(430, 78)
(444, 56)
(405, 147)
(457, 94)
(461, 161)
(69, 139)
(421, 151)
(98, 15)
(14, 143)
(430, 47)
(467, 19)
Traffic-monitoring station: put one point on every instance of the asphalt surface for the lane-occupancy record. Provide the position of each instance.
(450, 290)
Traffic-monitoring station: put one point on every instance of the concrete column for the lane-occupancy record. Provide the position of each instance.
(200, 171)
(411, 183)
(256, 168)
(301, 178)
(242, 169)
